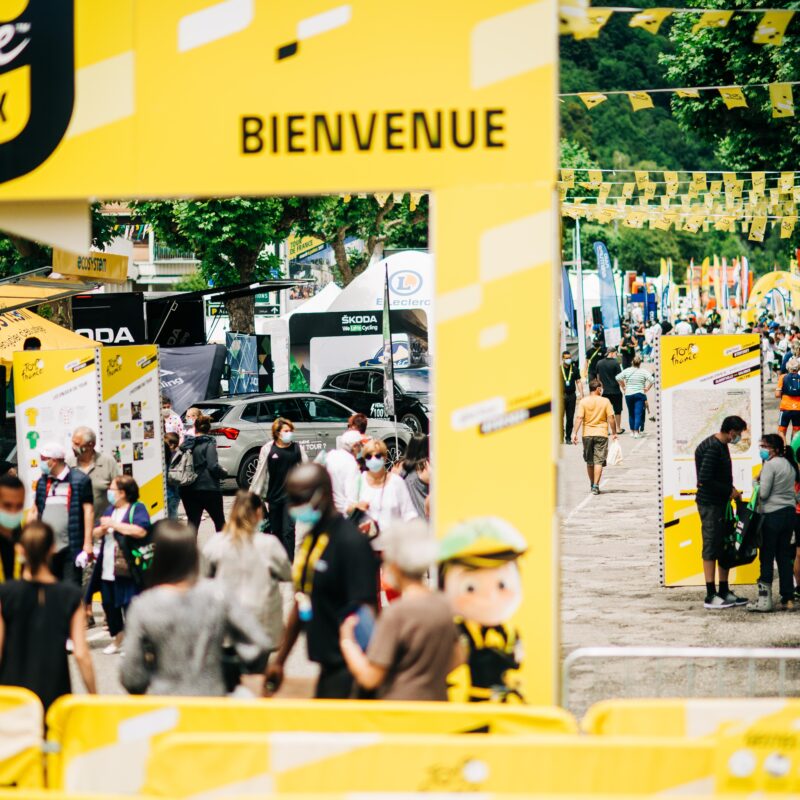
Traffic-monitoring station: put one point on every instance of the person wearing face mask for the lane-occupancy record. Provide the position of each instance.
(415, 644)
(382, 495)
(335, 574)
(776, 499)
(63, 498)
(715, 490)
(571, 390)
(124, 521)
(12, 505)
(595, 415)
(205, 494)
(342, 466)
(171, 421)
(192, 415)
(275, 461)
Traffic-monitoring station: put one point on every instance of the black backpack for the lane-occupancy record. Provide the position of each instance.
(791, 384)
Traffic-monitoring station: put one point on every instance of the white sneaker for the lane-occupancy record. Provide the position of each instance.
(717, 603)
(112, 649)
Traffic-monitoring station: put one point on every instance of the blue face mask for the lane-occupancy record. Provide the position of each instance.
(374, 464)
(287, 437)
(44, 467)
(10, 520)
(305, 514)
(764, 454)
(112, 496)
(736, 439)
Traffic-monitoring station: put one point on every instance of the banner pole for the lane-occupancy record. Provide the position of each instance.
(576, 240)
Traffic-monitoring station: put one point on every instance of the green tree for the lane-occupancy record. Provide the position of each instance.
(334, 219)
(230, 237)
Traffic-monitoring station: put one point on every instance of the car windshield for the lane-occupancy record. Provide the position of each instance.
(216, 412)
(416, 381)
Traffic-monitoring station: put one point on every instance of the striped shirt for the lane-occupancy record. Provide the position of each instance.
(636, 380)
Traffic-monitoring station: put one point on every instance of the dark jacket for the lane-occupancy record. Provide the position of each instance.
(206, 465)
(712, 460)
(80, 493)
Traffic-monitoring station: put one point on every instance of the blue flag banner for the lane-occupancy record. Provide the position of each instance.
(665, 302)
(608, 296)
(388, 356)
(569, 303)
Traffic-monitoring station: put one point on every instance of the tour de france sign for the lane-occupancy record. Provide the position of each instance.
(146, 98)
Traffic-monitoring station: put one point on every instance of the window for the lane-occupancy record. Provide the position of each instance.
(358, 381)
(375, 383)
(322, 410)
(340, 381)
(287, 408)
(250, 413)
(215, 412)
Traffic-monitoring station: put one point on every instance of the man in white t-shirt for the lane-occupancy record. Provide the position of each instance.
(344, 471)
(683, 328)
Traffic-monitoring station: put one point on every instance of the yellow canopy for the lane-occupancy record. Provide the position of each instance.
(786, 281)
(17, 326)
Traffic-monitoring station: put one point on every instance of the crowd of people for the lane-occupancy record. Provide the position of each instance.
(349, 533)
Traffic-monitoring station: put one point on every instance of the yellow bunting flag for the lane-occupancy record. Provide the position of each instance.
(415, 197)
(715, 187)
(787, 227)
(774, 198)
(687, 93)
(627, 190)
(694, 223)
(782, 100)
(562, 192)
(595, 178)
(733, 97)
(596, 19)
(786, 182)
(724, 223)
(568, 178)
(649, 191)
(640, 100)
(651, 19)
(592, 99)
(772, 26)
(661, 223)
(699, 183)
(665, 201)
(642, 179)
(671, 179)
(382, 197)
(605, 190)
(572, 16)
(759, 182)
(757, 229)
(728, 178)
(634, 219)
(713, 19)
(704, 275)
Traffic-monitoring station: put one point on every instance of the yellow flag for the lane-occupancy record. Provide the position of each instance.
(595, 178)
(728, 178)
(688, 93)
(671, 180)
(772, 26)
(592, 99)
(572, 16)
(736, 188)
(640, 100)
(733, 97)
(796, 194)
(713, 19)
(382, 197)
(596, 18)
(693, 225)
(704, 275)
(708, 199)
(787, 227)
(661, 223)
(562, 193)
(627, 190)
(780, 96)
(642, 179)
(568, 178)
(606, 215)
(603, 193)
(699, 183)
(786, 182)
(724, 223)
(759, 182)
(415, 197)
(651, 19)
(665, 201)
(649, 191)
(715, 187)
(757, 229)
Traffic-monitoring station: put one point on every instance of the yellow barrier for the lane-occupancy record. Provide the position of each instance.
(44, 794)
(189, 765)
(21, 727)
(680, 717)
(102, 743)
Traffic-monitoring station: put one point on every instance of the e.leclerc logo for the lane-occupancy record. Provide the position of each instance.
(683, 354)
(405, 282)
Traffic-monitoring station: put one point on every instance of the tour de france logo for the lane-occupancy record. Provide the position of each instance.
(37, 81)
(32, 368)
(683, 354)
(113, 365)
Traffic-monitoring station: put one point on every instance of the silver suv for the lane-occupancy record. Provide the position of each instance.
(243, 423)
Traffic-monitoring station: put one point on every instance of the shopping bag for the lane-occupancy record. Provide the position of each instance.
(614, 457)
(741, 538)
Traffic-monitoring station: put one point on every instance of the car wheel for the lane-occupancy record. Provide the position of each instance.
(412, 421)
(396, 448)
(247, 469)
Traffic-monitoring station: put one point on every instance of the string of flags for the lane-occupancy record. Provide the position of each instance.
(381, 197)
(781, 96)
(770, 27)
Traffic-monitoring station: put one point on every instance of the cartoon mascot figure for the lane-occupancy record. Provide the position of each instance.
(480, 575)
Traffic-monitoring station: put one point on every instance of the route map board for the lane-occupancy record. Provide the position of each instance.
(701, 380)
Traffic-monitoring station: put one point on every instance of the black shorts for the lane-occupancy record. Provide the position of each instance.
(712, 522)
(789, 418)
(616, 402)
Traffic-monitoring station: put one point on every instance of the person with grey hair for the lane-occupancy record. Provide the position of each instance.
(788, 391)
(415, 644)
(342, 466)
(100, 468)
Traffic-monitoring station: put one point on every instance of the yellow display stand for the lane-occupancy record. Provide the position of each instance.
(102, 743)
(21, 726)
(188, 765)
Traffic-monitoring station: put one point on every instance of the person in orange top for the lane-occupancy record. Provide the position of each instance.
(596, 416)
(788, 391)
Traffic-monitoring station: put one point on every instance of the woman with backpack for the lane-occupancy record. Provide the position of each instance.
(204, 493)
(776, 498)
(124, 521)
(788, 390)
